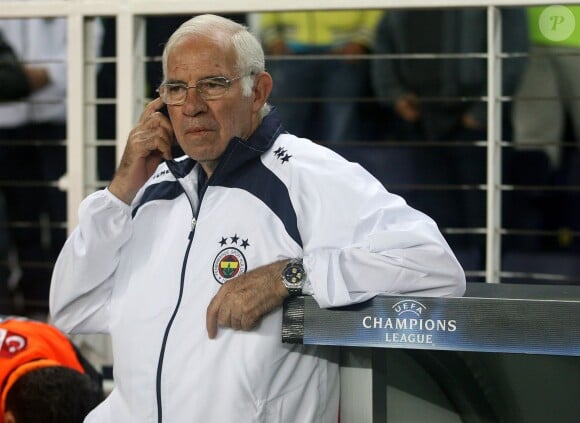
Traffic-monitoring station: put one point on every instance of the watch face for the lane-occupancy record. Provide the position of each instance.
(294, 274)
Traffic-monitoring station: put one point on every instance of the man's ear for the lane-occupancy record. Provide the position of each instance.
(9, 417)
(262, 90)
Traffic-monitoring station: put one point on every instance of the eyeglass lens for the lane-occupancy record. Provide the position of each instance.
(208, 89)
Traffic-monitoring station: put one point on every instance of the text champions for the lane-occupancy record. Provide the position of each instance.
(421, 329)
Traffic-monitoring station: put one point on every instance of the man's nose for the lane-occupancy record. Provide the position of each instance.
(194, 103)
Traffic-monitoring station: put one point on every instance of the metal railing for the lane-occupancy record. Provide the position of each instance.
(130, 81)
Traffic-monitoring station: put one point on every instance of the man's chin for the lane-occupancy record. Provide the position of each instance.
(203, 155)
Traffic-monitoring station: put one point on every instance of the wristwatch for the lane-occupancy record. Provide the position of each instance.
(294, 277)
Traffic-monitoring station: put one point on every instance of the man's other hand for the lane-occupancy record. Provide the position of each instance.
(242, 302)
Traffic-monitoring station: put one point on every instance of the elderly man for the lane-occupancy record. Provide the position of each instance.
(186, 262)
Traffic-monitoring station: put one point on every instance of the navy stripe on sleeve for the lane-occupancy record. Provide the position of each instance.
(262, 183)
(166, 190)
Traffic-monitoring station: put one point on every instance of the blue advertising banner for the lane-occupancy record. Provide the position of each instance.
(549, 324)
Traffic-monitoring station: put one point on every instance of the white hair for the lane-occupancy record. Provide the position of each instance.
(250, 55)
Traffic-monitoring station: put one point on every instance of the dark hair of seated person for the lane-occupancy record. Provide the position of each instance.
(53, 395)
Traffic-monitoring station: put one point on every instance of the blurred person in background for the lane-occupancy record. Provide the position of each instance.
(14, 84)
(551, 83)
(441, 99)
(317, 96)
(547, 113)
(401, 84)
(33, 155)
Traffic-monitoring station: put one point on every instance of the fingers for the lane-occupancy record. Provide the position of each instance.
(153, 106)
(228, 309)
(211, 317)
(223, 312)
(242, 302)
(150, 139)
(153, 133)
(160, 136)
(149, 142)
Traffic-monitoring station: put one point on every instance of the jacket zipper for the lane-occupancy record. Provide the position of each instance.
(176, 309)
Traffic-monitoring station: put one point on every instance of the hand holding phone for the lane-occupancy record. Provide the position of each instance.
(164, 110)
(175, 148)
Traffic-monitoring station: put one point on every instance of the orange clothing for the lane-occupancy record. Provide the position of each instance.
(27, 345)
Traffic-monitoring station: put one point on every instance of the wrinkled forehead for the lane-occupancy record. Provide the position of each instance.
(192, 52)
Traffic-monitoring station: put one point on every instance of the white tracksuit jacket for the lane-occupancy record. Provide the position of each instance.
(146, 274)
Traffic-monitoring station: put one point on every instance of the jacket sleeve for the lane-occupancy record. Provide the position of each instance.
(84, 272)
(360, 241)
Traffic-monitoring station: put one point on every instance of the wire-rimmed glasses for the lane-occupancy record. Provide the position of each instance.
(175, 93)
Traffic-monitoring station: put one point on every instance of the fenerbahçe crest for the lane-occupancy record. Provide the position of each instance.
(230, 262)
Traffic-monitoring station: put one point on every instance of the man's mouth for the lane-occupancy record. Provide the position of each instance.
(198, 130)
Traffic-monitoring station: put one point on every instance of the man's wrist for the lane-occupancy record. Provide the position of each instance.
(116, 189)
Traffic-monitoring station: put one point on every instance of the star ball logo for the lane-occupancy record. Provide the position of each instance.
(409, 326)
(230, 262)
(557, 23)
